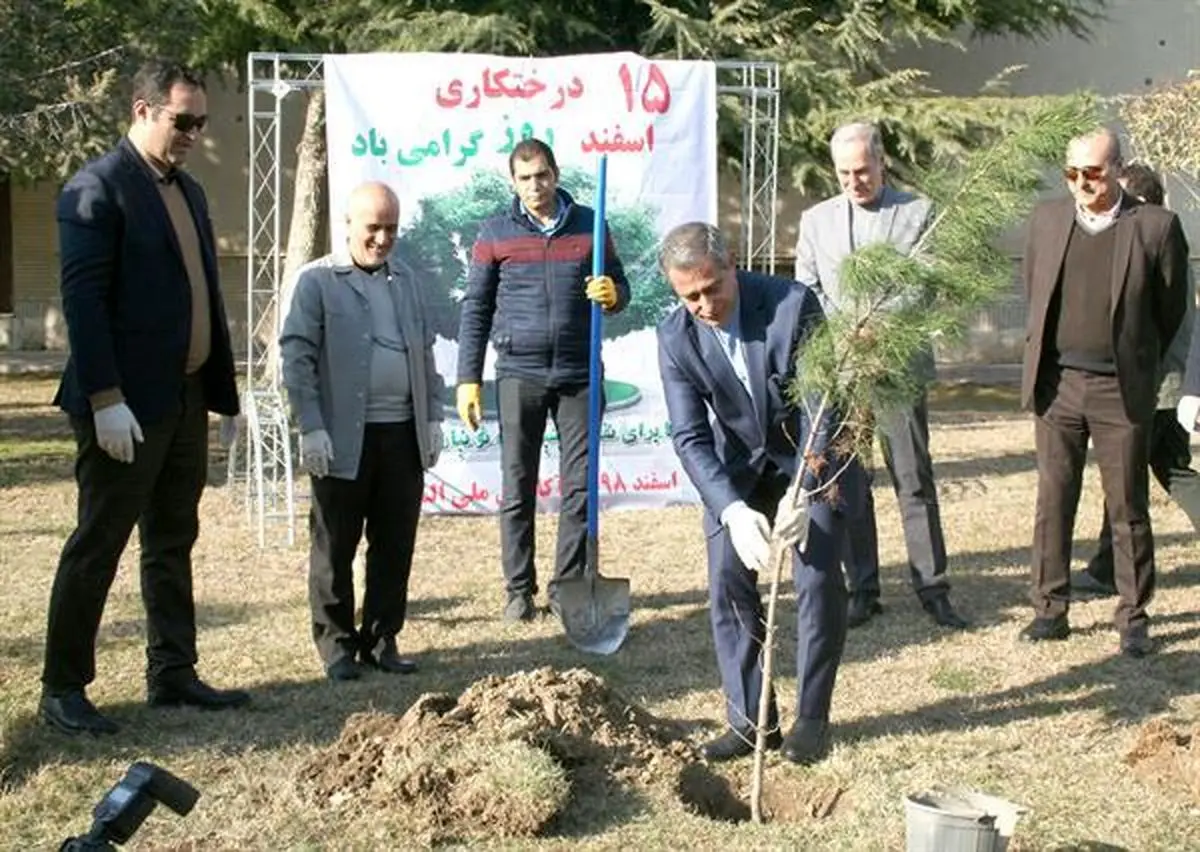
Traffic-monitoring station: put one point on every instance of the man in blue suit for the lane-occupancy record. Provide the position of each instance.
(150, 357)
(726, 362)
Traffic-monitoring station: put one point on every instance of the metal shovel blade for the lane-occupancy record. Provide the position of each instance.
(595, 611)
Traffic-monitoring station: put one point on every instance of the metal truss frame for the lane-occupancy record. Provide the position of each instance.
(265, 465)
(756, 84)
(263, 461)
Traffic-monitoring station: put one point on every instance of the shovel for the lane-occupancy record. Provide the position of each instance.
(595, 609)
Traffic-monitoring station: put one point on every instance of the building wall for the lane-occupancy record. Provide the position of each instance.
(1143, 44)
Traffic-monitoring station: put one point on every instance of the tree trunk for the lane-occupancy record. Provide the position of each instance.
(307, 231)
(787, 531)
(780, 556)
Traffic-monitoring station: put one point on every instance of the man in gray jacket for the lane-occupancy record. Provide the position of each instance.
(359, 371)
(869, 211)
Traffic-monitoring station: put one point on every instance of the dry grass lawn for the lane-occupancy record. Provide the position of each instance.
(1048, 727)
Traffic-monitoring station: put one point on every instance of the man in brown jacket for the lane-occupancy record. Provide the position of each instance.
(1106, 283)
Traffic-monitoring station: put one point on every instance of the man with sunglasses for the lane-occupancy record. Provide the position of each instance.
(150, 357)
(1106, 281)
(1170, 449)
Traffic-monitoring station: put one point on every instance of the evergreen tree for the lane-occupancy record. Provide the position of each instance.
(855, 365)
(1162, 124)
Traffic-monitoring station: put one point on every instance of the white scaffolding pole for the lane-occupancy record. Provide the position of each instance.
(267, 450)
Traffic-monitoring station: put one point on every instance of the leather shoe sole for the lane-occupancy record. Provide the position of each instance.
(806, 744)
(943, 615)
(519, 608)
(87, 721)
(394, 664)
(1137, 644)
(199, 695)
(734, 744)
(1046, 630)
(860, 612)
(343, 669)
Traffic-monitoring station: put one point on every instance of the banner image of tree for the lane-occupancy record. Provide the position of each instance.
(438, 246)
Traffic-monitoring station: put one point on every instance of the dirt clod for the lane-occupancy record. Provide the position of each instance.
(504, 759)
(1167, 757)
(509, 756)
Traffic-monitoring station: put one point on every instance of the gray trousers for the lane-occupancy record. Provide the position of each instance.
(904, 437)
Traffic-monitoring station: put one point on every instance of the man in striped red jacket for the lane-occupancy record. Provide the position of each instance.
(528, 289)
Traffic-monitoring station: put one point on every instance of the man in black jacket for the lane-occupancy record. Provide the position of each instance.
(1170, 450)
(150, 357)
(529, 287)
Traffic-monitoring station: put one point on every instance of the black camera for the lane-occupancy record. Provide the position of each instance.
(125, 807)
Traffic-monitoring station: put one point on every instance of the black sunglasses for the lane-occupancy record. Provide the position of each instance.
(185, 122)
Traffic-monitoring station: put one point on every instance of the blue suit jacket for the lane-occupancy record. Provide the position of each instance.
(725, 457)
(125, 291)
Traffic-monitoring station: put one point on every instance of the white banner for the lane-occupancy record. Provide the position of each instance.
(438, 129)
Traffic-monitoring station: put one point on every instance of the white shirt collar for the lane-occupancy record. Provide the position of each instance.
(1099, 221)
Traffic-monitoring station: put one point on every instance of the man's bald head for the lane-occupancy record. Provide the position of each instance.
(372, 219)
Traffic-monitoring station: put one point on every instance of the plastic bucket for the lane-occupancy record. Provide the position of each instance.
(959, 821)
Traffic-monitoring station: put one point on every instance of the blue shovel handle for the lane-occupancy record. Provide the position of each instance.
(594, 371)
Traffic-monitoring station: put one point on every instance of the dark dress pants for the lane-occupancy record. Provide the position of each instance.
(524, 405)
(385, 496)
(738, 616)
(1171, 464)
(1074, 404)
(904, 439)
(159, 493)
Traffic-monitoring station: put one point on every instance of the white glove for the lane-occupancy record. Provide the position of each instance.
(316, 452)
(1186, 412)
(435, 440)
(116, 430)
(750, 533)
(791, 523)
(228, 434)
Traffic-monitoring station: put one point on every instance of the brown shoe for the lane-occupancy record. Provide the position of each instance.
(1046, 630)
(1136, 642)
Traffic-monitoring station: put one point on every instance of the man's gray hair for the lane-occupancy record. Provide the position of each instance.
(691, 245)
(1100, 131)
(859, 131)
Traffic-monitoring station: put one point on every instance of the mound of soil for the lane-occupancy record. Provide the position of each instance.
(507, 757)
(1169, 758)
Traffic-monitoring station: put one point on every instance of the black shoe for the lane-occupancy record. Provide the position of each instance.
(1136, 642)
(807, 742)
(861, 609)
(195, 693)
(943, 613)
(519, 608)
(1086, 586)
(343, 668)
(389, 660)
(72, 713)
(734, 744)
(1046, 629)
